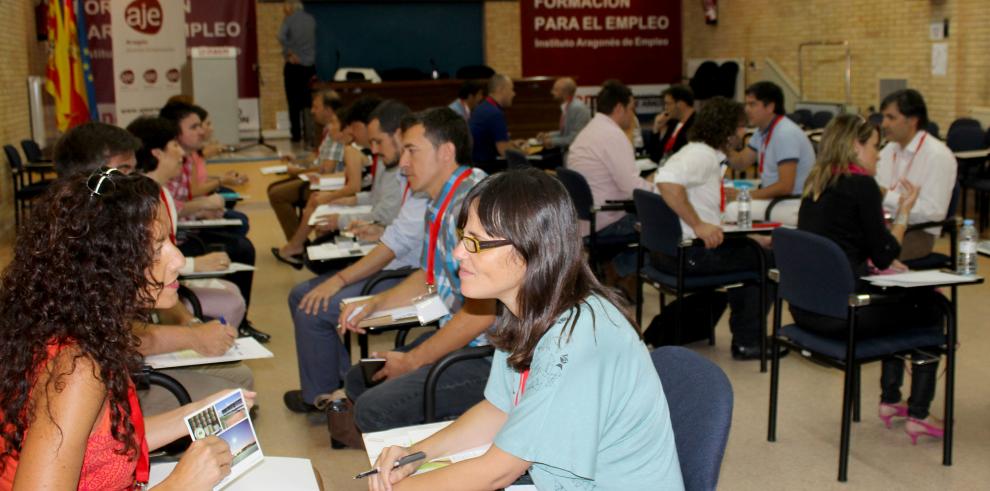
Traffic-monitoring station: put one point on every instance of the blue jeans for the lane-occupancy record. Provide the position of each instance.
(399, 402)
(323, 358)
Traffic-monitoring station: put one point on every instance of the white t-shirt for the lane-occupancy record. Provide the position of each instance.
(933, 168)
(697, 167)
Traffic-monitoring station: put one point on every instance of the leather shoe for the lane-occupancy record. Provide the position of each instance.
(294, 401)
(740, 352)
(247, 329)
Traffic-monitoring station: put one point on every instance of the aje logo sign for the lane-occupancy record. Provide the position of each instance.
(144, 16)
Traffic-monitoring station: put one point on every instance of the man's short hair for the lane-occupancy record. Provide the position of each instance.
(330, 98)
(767, 92)
(612, 93)
(177, 111)
(443, 125)
(472, 87)
(680, 93)
(910, 104)
(390, 114)
(154, 133)
(91, 145)
(360, 111)
(498, 81)
(201, 112)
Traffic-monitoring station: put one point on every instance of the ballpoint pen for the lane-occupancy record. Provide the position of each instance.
(408, 459)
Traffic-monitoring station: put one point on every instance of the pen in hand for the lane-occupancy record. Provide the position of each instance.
(408, 459)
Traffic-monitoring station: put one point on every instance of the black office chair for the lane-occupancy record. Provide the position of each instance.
(25, 189)
(876, 119)
(699, 397)
(820, 119)
(599, 248)
(33, 154)
(802, 117)
(932, 128)
(433, 376)
(661, 234)
(516, 159)
(972, 172)
(826, 286)
(964, 122)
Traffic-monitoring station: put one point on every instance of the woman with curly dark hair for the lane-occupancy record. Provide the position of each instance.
(95, 257)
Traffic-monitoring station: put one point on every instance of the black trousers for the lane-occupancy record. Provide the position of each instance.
(732, 256)
(916, 308)
(298, 94)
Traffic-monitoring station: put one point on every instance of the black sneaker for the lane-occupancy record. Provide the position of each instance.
(294, 401)
(247, 329)
(740, 352)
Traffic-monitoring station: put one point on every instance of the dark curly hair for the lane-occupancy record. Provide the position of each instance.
(717, 122)
(79, 276)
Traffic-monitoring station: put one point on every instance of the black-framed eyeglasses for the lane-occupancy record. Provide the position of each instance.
(474, 246)
(100, 181)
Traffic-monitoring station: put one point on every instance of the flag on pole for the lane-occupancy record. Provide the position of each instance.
(69, 79)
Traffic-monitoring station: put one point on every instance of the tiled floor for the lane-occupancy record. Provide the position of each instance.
(804, 457)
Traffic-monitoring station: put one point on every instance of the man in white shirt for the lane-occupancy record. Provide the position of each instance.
(913, 154)
(603, 154)
(690, 183)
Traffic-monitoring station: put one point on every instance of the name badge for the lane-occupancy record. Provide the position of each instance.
(429, 308)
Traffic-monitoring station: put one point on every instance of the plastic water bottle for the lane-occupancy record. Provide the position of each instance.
(744, 203)
(966, 258)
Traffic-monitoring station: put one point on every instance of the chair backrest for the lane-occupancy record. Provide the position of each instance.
(964, 138)
(876, 119)
(820, 119)
(932, 128)
(699, 397)
(515, 159)
(660, 228)
(964, 122)
(579, 190)
(32, 152)
(475, 71)
(815, 274)
(13, 158)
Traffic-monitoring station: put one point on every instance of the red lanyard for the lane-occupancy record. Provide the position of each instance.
(168, 211)
(405, 193)
(374, 166)
(435, 226)
(766, 141)
(856, 170)
(492, 102)
(893, 185)
(670, 141)
(142, 471)
(522, 386)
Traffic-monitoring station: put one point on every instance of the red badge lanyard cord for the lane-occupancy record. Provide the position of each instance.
(492, 101)
(893, 185)
(435, 227)
(168, 211)
(766, 142)
(522, 386)
(374, 166)
(405, 193)
(143, 469)
(670, 141)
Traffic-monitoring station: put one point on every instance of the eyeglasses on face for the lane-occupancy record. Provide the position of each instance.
(100, 181)
(474, 246)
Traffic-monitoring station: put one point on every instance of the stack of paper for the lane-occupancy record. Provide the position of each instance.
(213, 222)
(244, 349)
(324, 210)
(376, 442)
(920, 278)
(275, 169)
(233, 268)
(325, 183)
(329, 250)
(271, 473)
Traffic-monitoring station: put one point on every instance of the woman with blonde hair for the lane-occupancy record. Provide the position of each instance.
(843, 202)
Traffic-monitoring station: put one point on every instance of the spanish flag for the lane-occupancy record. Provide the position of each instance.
(69, 74)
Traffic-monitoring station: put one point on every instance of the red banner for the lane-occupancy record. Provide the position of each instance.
(636, 41)
(212, 23)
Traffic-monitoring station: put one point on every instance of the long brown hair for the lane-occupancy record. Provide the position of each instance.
(534, 212)
(836, 151)
(78, 276)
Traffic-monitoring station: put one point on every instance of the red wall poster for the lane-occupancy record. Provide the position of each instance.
(635, 41)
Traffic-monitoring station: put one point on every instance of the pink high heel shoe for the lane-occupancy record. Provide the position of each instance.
(887, 411)
(917, 427)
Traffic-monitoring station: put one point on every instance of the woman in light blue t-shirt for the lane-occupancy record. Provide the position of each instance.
(573, 396)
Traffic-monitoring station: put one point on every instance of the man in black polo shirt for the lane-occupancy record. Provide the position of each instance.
(670, 128)
(489, 131)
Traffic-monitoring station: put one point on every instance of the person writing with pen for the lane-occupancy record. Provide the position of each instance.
(573, 396)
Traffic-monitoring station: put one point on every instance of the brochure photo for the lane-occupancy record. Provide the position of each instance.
(228, 419)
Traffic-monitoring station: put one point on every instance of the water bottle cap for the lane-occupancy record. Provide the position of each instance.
(742, 185)
(968, 222)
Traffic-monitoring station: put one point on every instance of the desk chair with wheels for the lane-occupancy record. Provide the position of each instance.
(699, 397)
(825, 285)
(661, 234)
(580, 193)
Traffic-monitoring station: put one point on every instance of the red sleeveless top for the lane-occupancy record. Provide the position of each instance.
(102, 468)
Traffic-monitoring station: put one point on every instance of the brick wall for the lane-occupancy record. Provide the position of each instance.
(270, 59)
(22, 55)
(502, 37)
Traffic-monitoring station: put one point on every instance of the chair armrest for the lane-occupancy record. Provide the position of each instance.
(609, 207)
(774, 275)
(626, 204)
(430, 390)
(774, 202)
(190, 296)
(40, 167)
(383, 275)
(149, 376)
(857, 300)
